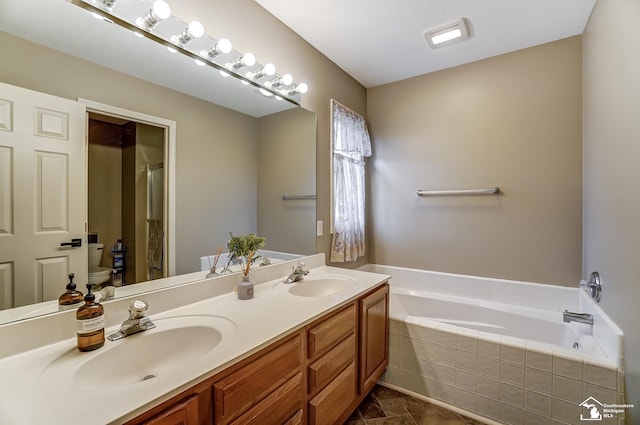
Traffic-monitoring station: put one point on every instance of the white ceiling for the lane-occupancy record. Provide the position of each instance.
(381, 41)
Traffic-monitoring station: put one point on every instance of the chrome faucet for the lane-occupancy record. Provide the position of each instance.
(298, 273)
(569, 316)
(137, 321)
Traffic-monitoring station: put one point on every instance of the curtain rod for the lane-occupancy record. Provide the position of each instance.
(346, 107)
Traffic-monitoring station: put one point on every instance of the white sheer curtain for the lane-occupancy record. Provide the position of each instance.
(351, 144)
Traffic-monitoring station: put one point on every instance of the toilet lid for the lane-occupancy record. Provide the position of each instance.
(100, 271)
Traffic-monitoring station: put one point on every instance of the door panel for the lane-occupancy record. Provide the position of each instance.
(42, 194)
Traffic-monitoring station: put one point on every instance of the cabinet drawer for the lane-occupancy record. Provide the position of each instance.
(323, 370)
(183, 413)
(278, 407)
(328, 333)
(245, 387)
(331, 403)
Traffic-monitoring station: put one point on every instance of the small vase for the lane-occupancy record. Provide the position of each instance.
(245, 288)
(212, 273)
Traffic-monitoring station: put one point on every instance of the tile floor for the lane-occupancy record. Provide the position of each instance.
(384, 406)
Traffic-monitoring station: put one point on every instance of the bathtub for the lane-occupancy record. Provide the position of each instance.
(498, 350)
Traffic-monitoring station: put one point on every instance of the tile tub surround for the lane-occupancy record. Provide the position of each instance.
(502, 379)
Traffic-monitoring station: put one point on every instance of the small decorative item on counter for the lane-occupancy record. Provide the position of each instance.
(212, 267)
(90, 323)
(107, 293)
(245, 287)
(72, 298)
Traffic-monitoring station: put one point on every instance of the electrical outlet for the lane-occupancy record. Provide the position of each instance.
(319, 229)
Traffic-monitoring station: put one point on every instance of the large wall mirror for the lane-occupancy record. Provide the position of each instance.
(236, 151)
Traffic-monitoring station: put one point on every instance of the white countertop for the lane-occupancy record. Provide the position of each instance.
(30, 393)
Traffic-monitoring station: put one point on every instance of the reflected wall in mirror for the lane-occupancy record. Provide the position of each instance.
(219, 156)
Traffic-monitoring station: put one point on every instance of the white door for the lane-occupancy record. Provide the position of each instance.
(42, 195)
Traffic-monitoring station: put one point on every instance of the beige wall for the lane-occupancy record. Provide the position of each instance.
(287, 164)
(512, 121)
(612, 171)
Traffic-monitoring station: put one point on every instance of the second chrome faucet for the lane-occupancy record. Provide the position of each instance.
(298, 273)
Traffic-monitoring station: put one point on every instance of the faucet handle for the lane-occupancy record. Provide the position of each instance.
(137, 309)
(301, 267)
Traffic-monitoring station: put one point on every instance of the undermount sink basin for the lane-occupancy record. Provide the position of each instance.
(175, 343)
(321, 285)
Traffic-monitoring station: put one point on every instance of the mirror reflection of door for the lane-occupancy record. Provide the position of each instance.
(120, 153)
(41, 184)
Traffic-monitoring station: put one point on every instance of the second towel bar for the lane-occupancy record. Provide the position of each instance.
(491, 191)
(294, 197)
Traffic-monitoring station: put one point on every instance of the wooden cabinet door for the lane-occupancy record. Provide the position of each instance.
(374, 337)
(332, 402)
(184, 413)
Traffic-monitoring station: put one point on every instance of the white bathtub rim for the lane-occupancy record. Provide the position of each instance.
(372, 267)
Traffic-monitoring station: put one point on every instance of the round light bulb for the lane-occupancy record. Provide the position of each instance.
(223, 46)
(248, 59)
(302, 88)
(269, 70)
(161, 9)
(199, 62)
(286, 79)
(196, 29)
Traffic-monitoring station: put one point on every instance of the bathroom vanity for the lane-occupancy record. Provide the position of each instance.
(317, 374)
(300, 353)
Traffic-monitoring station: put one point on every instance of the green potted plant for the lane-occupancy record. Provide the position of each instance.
(241, 246)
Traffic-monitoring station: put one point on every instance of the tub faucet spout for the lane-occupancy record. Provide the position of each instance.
(569, 316)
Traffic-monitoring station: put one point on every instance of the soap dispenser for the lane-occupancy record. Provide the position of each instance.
(72, 298)
(90, 323)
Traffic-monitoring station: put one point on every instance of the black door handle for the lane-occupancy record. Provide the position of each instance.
(73, 244)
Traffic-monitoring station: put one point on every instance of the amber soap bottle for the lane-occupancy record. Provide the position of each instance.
(72, 298)
(90, 323)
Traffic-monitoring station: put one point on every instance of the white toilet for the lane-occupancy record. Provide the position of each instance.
(97, 274)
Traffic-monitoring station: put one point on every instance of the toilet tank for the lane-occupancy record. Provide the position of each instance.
(95, 255)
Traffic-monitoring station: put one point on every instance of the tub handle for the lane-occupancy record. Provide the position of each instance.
(594, 286)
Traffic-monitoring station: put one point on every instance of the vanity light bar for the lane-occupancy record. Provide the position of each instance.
(179, 44)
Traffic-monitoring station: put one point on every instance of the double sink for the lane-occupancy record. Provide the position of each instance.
(176, 343)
